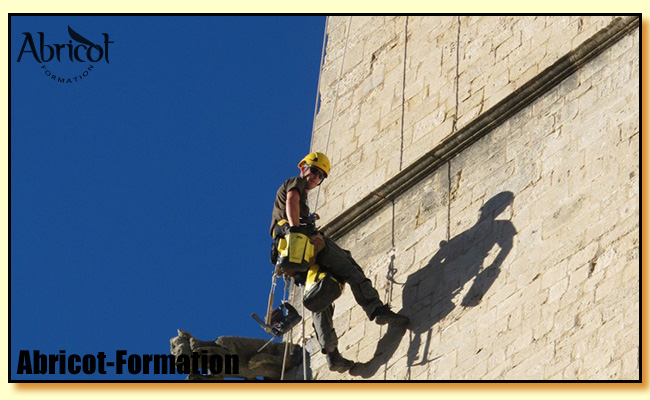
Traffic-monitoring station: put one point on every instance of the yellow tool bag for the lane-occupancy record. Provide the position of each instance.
(321, 289)
(294, 252)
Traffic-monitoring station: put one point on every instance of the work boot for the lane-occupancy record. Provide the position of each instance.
(337, 363)
(385, 316)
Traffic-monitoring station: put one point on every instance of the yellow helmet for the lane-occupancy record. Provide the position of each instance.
(316, 159)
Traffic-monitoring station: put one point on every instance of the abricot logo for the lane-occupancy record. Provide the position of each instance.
(82, 50)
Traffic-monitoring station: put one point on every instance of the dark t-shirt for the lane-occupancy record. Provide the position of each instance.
(280, 205)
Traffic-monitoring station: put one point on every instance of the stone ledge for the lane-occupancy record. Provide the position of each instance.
(480, 126)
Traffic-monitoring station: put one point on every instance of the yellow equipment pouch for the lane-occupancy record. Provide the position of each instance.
(294, 252)
(321, 289)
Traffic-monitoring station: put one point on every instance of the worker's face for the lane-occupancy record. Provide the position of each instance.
(313, 175)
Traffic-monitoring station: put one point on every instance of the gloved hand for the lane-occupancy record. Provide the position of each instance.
(318, 241)
(304, 229)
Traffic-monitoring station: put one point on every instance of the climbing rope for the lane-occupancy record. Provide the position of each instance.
(304, 341)
(320, 72)
(336, 97)
(287, 286)
(269, 307)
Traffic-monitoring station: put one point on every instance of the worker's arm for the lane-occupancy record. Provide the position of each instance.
(293, 207)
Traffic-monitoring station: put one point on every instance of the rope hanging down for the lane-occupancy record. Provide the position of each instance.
(313, 128)
(320, 72)
(287, 287)
(336, 97)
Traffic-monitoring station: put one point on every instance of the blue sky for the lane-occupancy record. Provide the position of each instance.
(141, 193)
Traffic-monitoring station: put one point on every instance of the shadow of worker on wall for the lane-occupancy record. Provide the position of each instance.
(475, 255)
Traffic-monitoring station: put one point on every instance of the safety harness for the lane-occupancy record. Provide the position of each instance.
(293, 255)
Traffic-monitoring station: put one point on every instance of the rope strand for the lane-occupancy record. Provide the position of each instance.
(320, 73)
(336, 97)
(287, 286)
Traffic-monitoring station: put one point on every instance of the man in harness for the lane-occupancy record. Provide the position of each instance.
(292, 220)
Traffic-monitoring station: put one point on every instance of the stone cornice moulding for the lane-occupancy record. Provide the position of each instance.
(481, 126)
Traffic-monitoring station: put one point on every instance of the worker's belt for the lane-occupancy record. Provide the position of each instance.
(281, 228)
(321, 289)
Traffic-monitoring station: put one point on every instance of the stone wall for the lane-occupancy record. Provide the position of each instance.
(517, 257)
